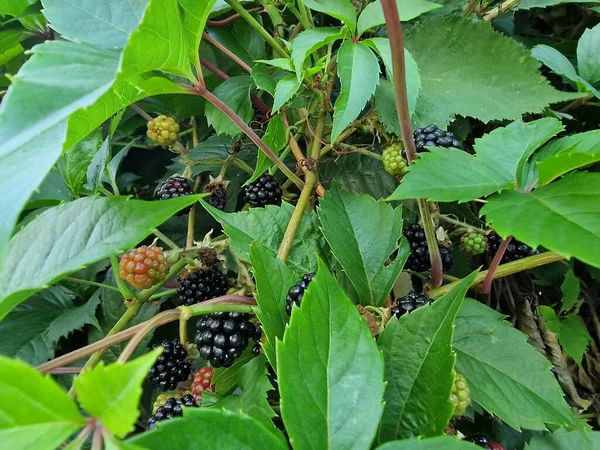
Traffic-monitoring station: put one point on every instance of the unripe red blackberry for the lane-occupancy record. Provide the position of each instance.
(264, 191)
(408, 303)
(171, 367)
(163, 130)
(200, 285)
(202, 382)
(142, 267)
(460, 396)
(296, 292)
(173, 407)
(472, 243)
(393, 162)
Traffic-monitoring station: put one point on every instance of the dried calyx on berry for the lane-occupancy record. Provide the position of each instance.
(264, 191)
(514, 251)
(296, 292)
(217, 190)
(460, 397)
(408, 303)
(171, 367)
(173, 407)
(432, 136)
(473, 243)
(163, 130)
(222, 337)
(142, 267)
(202, 382)
(418, 260)
(393, 162)
(200, 285)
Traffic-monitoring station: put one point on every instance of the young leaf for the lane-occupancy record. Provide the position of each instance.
(209, 428)
(112, 393)
(45, 416)
(502, 84)
(273, 280)
(235, 93)
(68, 237)
(570, 291)
(418, 368)
(286, 88)
(310, 41)
(330, 372)
(555, 60)
(574, 337)
(362, 247)
(97, 167)
(507, 376)
(276, 138)
(570, 205)
(588, 49)
(436, 443)
(73, 164)
(562, 439)
(358, 70)
(372, 15)
(340, 9)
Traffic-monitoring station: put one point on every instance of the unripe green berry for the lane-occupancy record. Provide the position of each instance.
(460, 397)
(163, 130)
(472, 243)
(393, 162)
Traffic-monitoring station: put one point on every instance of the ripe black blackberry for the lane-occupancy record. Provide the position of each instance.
(432, 136)
(171, 408)
(200, 285)
(418, 260)
(218, 194)
(257, 337)
(479, 440)
(174, 187)
(171, 367)
(514, 251)
(222, 337)
(408, 303)
(264, 191)
(296, 292)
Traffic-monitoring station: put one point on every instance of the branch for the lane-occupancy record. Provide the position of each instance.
(227, 52)
(228, 20)
(487, 284)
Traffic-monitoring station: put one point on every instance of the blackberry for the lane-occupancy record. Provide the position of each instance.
(223, 336)
(202, 382)
(218, 194)
(296, 292)
(264, 191)
(200, 285)
(171, 367)
(408, 303)
(173, 407)
(393, 162)
(432, 136)
(142, 267)
(174, 187)
(460, 396)
(257, 337)
(163, 130)
(418, 260)
(472, 243)
(514, 251)
(480, 440)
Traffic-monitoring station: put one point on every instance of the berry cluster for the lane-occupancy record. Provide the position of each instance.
(143, 266)
(163, 130)
(174, 187)
(171, 367)
(223, 336)
(473, 243)
(514, 251)
(418, 260)
(393, 162)
(432, 136)
(200, 285)
(482, 441)
(296, 292)
(264, 191)
(173, 407)
(408, 303)
(202, 382)
(217, 194)
(460, 396)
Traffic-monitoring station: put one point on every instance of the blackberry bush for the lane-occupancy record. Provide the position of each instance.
(200, 285)
(418, 260)
(296, 292)
(171, 367)
(264, 191)
(143, 266)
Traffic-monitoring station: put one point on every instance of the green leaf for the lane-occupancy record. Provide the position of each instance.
(45, 416)
(550, 318)
(97, 168)
(210, 428)
(418, 368)
(507, 377)
(555, 60)
(310, 41)
(358, 70)
(73, 164)
(273, 280)
(436, 443)
(562, 439)
(574, 337)
(362, 247)
(101, 23)
(286, 88)
(15, 7)
(340, 9)
(263, 78)
(570, 291)
(235, 93)
(588, 49)
(500, 160)
(570, 205)
(330, 372)
(268, 225)
(372, 15)
(276, 139)
(530, 4)
(502, 84)
(68, 237)
(112, 393)
(281, 63)
(225, 378)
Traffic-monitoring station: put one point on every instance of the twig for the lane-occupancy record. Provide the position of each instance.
(65, 371)
(227, 52)
(501, 9)
(141, 112)
(487, 284)
(163, 294)
(137, 339)
(233, 18)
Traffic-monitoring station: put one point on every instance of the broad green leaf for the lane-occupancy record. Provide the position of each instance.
(574, 337)
(555, 60)
(263, 78)
(73, 164)
(235, 93)
(286, 88)
(225, 378)
(195, 14)
(268, 225)
(372, 15)
(588, 49)
(276, 138)
(112, 393)
(507, 376)
(340, 9)
(35, 411)
(362, 247)
(570, 205)
(562, 439)
(329, 371)
(418, 368)
(68, 237)
(273, 280)
(530, 4)
(358, 71)
(500, 160)
(281, 63)
(102, 23)
(550, 318)
(97, 168)
(309, 41)
(436, 443)
(210, 427)
(232, 42)
(9, 39)
(570, 291)
(502, 84)
(15, 7)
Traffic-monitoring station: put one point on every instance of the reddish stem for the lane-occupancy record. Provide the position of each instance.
(227, 52)
(487, 283)
(220, 23)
